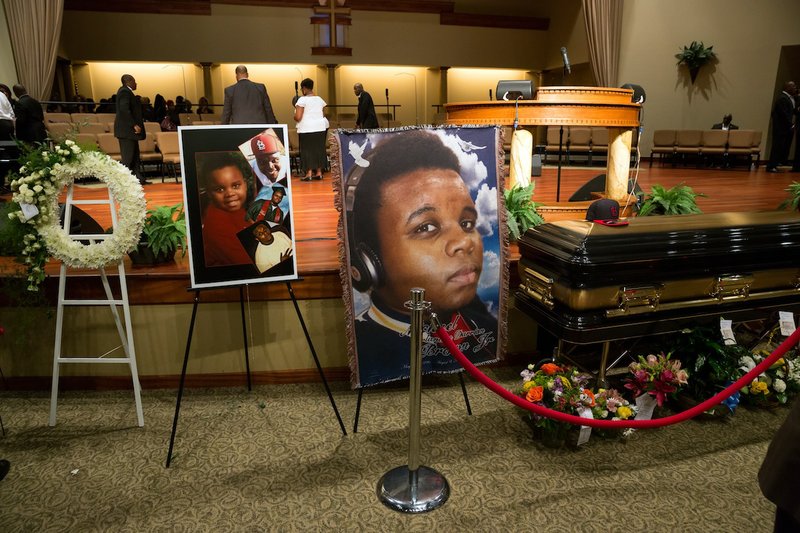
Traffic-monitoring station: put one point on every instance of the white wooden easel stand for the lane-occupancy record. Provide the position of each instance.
(125, 333)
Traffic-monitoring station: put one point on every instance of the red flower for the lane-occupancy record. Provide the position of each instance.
(550, 368)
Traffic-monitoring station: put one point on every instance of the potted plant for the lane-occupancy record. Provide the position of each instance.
(695, 56)
(793, 201)
(713, 366)
(521, 212)
(163, 233)
(679, 200)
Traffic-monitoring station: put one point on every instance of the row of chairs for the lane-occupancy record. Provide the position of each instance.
(579, 140)
(187, 119)
(160, 149)
(59, 129)
(702, 145)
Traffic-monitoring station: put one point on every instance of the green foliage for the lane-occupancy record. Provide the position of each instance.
(711, 364)
(521, 211)
(12, 232)
(679, 200)
(165, 229)
(793, 201)
(695, 55)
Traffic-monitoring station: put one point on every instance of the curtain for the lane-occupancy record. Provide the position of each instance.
(35, 30)
(603, 20)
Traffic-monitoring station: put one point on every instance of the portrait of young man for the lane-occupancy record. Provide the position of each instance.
(421, 211)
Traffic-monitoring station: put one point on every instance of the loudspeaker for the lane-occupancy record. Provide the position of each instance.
(598, 184)
(513, 89)
(536, 165)
(639, 95)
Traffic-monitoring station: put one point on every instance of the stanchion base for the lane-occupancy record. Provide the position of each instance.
(413, 492)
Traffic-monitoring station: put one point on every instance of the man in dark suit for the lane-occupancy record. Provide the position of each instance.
(367, 118)
(726, 124)
(782, 126)
(778, 477)
(30, 118)
(247, 102)
(129, 126)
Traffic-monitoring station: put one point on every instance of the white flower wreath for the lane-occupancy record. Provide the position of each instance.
(41, 187)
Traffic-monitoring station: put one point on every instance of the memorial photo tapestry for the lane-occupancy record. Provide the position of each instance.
(420, 207)
(238, 199)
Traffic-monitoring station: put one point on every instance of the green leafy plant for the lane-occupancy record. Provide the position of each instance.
(679, 200)
(712, 364)
(695, 55)
(793, 201)
(521, 212)
(165, 229)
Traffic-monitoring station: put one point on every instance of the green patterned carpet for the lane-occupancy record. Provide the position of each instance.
(274, 460)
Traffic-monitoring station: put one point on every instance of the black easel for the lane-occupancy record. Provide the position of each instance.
(463, 391)
(247, 361)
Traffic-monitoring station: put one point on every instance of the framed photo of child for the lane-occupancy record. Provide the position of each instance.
(238, 203)
(420, 209)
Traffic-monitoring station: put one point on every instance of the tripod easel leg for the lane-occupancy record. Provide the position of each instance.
(244, 336)
(183, 378)
(358, 410)
(464, 392)
(316, 359)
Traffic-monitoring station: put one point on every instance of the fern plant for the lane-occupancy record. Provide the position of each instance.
(679, 200)
(521, 212)
(793, 201)
(165, 229)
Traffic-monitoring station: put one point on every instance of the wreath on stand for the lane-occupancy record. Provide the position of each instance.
(44, 174)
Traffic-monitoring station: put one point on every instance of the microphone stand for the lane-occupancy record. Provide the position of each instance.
(564, 73)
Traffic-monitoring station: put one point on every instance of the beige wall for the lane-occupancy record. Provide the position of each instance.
(8, 69)
(283, 35)
(747, 36)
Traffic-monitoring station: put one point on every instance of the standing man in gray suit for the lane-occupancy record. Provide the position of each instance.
(247, 102)
(129, 126)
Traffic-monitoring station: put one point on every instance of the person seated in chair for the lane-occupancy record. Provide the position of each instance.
(726, 124)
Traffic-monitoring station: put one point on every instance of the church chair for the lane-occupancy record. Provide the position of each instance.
(663, 144)
(168, 145)
(109, 145)
(580, 142)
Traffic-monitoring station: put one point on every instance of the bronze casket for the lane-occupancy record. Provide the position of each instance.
(585, 282)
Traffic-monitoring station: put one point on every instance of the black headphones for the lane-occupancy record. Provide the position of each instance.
(366, 268)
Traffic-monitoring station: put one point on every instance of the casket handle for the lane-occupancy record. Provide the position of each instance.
(734, 286)
(637, 299)
(538, 286)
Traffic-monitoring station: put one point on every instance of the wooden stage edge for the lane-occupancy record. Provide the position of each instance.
(315, 218)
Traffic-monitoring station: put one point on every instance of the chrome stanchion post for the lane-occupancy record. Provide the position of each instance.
(413, 488)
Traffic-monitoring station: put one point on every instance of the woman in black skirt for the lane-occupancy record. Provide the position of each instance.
(312, 128)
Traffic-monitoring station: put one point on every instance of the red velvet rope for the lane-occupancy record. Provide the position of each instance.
(609, 424)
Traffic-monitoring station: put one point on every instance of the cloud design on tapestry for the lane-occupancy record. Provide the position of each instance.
(486, 204)
(490, 277)
(473, 171)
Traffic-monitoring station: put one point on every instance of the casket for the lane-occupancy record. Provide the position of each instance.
(586, 282)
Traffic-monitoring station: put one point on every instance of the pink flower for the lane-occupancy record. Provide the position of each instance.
(652, 360)
(683, 377)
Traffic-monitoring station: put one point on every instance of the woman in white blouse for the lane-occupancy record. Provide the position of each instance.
(312, 128)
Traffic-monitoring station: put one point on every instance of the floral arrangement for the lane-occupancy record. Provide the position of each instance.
(656, 375)
(610, 405)
(561, 388)
(44, 173)
(780, 382)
